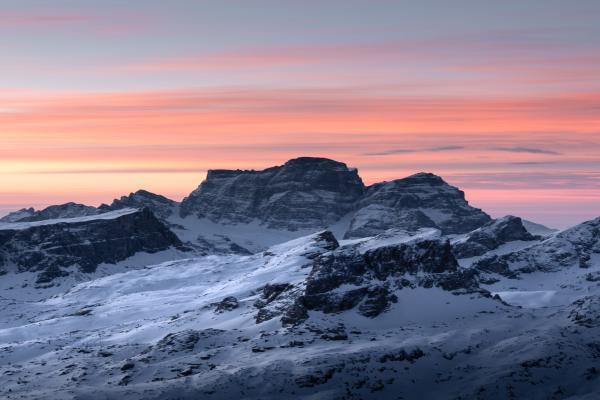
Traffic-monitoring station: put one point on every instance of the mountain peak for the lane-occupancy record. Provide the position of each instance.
(417, 201)
(424, 178)
(304, 193)
(315, 192)
(66, 210)
(316, 162)
(160, 205)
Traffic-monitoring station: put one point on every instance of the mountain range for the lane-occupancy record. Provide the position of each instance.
(298, 281)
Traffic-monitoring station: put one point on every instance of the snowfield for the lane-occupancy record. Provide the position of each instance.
(74, 220)
(164, 332)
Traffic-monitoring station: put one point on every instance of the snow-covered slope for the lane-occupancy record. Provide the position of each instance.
(192, 329)
(67, 220)
(538, 229)
(409, 292)
(577, 247)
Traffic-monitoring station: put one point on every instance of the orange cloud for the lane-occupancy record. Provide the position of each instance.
(101, 145)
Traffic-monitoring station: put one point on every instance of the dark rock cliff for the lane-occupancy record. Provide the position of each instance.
(49, 247)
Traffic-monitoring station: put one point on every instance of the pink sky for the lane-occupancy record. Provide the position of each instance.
(100, 100)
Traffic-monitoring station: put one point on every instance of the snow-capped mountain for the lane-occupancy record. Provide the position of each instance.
(15, 216)
(161, 206)
(307, 194)
(419, 201)
(248, 211)
(298, 282)
(67, 210)
(304, 193)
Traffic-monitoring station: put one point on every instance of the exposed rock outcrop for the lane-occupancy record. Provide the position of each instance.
(491, 236)
(367, 279)
(83, 242)
(16, 216)
(573, 247)
(305, 193)
(67, 210)
(161, 206)
(586, 312)
(419, 201)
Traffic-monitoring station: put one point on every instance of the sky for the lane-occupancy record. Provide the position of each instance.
(101, 98)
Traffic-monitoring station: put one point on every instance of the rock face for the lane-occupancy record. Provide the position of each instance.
(16, 216)
(586, 312)
(366, 277)
(305, 193)
(314, 193)
(421, 200)
(85, 242)
(491, 236)
(67, 210)
(161, 206)
(573, 247)
(348, 278)
(280, 297)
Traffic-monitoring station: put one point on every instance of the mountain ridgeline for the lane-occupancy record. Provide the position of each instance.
(304, 194)
(247, 211)
(297, 281)
(314, 193)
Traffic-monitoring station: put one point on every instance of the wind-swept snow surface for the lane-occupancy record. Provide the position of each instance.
(191, 329)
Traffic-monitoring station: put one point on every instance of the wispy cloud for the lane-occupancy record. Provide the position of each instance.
(528, 180)
(518, 57)
(79, 171)
(99, 23)
(408, 151)
(528, 150)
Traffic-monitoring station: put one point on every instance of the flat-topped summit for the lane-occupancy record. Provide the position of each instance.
(304, 193)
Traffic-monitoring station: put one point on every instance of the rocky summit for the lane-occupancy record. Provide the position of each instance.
(304, 193)
(578, 246)
(421, 200)
(491, 236)
(315, 193)
(161, 206)
(67, 210)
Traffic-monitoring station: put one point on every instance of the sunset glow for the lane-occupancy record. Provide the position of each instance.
(100, 100)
